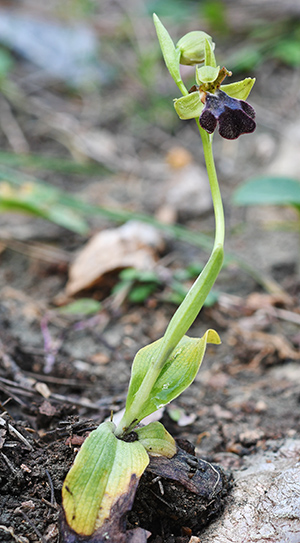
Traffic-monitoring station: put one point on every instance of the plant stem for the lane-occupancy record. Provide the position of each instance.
(189, 309)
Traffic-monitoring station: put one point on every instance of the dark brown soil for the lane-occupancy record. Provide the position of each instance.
(183, 492)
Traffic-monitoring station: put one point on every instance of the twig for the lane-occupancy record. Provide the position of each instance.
(15, 433)
(52, 498)
(104, 402)
(218, 475)
(12, 367)
(55, 380)
(12, 395)
(54, 506)
(11, 128)
(51, 346)
(26, 517)
(79, 403)
(9, 530)
(283, 314)
(39, 251)
(8, 463)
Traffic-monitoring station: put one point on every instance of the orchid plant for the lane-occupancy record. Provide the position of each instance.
(108, 467)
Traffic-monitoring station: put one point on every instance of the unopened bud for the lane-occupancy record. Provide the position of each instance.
(192, 47)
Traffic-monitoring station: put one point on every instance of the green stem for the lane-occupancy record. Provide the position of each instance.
(214, 186)
(194, 300)
(181, 87)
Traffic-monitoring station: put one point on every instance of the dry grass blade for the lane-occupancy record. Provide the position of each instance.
(15, 433)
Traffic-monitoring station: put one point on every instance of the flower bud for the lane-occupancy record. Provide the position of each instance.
(192, 47)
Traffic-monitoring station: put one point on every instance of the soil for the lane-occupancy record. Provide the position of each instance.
(60, 376)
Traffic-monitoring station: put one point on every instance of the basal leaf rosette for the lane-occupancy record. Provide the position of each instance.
(178, 372)
(102, 480)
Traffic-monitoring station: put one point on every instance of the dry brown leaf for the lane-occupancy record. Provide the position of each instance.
(134, 245)
(258, 300)
(265, 344)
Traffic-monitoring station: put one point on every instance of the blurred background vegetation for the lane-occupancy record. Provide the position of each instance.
(124, 81)
(85, 97)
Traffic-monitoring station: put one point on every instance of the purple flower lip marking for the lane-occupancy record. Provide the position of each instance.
(235, 117)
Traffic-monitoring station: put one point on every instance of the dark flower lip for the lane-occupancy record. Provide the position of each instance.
(235, 117)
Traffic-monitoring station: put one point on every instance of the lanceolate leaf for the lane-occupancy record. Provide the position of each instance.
(175, 376)
(104, 471)
(170, 54)
(42, 201)
(268, 190)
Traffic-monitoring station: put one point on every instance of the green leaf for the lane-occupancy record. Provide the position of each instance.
(103, 472)
(143, 276)
(128, 274)
(6, 63)
(175, 376)
(140, 293)
(156, 440)
(207, 74)
(170, 54)
(43, 162)
(84, 306)
(42, 201)
(240, 89)
(189, 106)
(268, 190)
(288, 51)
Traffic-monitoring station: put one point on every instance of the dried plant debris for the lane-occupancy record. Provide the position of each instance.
(113, 529)
(131, 245)
(180, 492)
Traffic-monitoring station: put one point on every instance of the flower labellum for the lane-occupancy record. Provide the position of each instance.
(235, 117)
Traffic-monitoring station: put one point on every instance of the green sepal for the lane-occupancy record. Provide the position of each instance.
(156, 440)
(240, 89)
(206, 74)
(175, 376)
(210, 59)
(102, 473)
(170, 54)
(189, 106)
